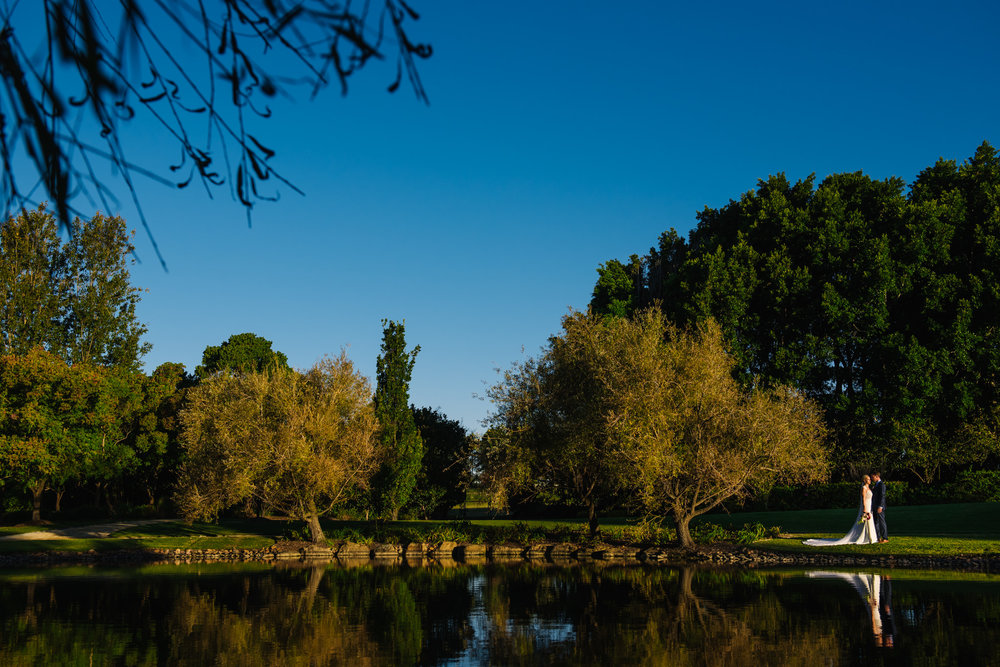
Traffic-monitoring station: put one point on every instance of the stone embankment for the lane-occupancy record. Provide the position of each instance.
(450, 553)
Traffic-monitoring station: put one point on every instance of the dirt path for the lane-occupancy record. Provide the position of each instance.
(82, 532)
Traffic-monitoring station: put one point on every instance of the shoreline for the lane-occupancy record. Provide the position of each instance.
(453, 553)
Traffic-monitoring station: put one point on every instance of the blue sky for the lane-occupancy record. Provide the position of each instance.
(559, 134)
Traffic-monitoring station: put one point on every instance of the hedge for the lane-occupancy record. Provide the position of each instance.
(969, 487)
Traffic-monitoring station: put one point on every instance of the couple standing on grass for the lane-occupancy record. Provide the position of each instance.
(869, 527)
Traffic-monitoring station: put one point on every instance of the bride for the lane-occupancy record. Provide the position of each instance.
(863, 531)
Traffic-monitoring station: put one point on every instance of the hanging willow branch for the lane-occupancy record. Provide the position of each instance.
(201, 68)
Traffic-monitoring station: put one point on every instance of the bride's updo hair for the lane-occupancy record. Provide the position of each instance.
(866, 479)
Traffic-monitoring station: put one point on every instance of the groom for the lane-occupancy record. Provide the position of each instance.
(878, 507)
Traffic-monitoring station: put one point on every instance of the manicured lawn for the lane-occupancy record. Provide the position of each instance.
(971, 529)
(967, 520)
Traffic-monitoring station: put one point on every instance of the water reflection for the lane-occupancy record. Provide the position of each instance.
(876, 593)
(527, 613)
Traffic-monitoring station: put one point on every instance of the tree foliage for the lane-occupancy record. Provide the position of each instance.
(634, 407)
(202, 71)
(297, 443)
(58, 422)
(74, 299)
(443, 477)
(881, 304)
(688, 435)
(548, 434)
(398, 433)
(154, 433)
(241, 353)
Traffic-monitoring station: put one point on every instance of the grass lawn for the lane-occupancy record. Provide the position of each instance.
(942, 530)
(926, 530)
(965, 520)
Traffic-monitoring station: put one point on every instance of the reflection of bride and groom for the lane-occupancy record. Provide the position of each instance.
(876, 591)
(869, 527)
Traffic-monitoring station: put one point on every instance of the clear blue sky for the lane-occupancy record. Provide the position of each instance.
(560, 134)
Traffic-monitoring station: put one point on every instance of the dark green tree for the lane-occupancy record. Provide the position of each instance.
(154, 434)
(241, 353)
(58, 423)
(32, 273)
(616, 290)
(882, 304)
(74, 299)
(443, 477)
(101, 325)
(403, 450)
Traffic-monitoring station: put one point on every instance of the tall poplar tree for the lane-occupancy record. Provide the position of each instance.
(400, 439)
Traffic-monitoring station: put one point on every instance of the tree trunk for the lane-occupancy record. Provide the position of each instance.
(592, 518)
(109, 502)
(36, 498)
(59, 494)
(315, 530)
(683, 522)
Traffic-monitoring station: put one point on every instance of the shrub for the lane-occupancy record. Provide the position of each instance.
(977, 486)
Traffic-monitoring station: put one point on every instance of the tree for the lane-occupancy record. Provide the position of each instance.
(880, 304)
(298, 443)
(548, 429)
(65, 103)
(241, 353)
(57, 422)
(398, 433)
(688, 435)
(154, 432)
(32, 274)
(102, 327)
(74, 299)
(615, 291)
(441, 482)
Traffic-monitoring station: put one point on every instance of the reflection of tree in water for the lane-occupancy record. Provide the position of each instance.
(303, 616)
(632, 615)
(522, 614)
(365, 614)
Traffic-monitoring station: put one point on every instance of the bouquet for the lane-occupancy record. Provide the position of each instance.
(865, 516)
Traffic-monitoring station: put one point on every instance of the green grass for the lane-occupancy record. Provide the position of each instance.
(964, 520)
(130, 544)
(971, 529)
(54, 525)
(897, 546)
(930, 530)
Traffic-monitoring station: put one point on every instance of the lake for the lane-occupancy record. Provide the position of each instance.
(517, 614)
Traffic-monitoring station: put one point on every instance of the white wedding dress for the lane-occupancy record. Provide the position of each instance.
(863, 532)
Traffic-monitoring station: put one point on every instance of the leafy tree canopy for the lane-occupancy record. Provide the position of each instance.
(57, 422)
(241, 353)
(443, 477)
(298, 444)
(637, 408)
(74, 299)
(880, 303)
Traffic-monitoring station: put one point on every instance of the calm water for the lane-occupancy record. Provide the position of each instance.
(507, 615)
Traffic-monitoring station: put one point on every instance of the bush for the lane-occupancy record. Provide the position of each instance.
(976, 486)
(749, 533)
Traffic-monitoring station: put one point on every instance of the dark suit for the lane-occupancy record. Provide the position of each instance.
(885, 611)
(878, 501)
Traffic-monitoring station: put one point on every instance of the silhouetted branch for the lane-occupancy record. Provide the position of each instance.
(102, 62)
